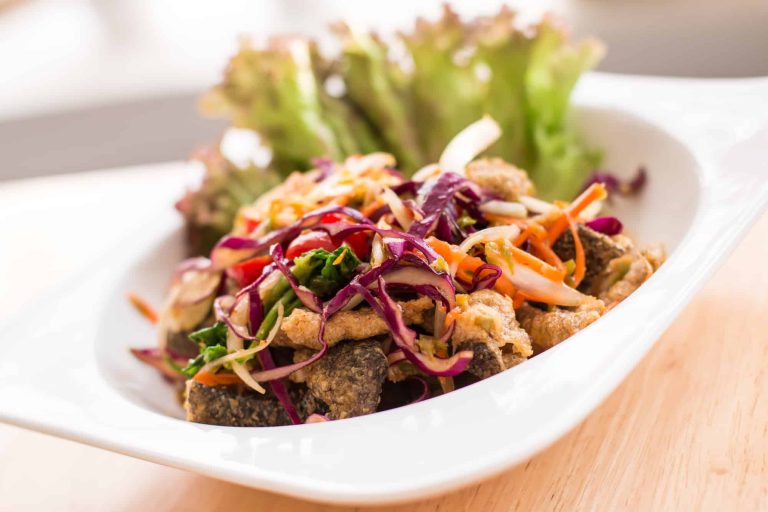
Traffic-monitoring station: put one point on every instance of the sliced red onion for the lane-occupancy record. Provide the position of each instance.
(606, 225)
(157, 359)
(278, 388)
(305, 295)
(483, 282)
(317, 418)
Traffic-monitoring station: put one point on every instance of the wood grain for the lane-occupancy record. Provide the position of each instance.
(688, 430)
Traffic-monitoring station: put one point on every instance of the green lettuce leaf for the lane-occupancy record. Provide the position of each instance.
(408, 96)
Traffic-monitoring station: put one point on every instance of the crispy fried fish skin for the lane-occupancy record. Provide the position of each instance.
(489, 316)
(500, 177)
(599, 250)
(640, 269)
(486, 360)
(240, 407)
(548, 328)
(348, 378)
(301, 327)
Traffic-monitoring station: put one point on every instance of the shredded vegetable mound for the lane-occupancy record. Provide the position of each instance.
(351, 288)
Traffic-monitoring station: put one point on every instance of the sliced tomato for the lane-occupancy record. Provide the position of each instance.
(248, 271)
(251, 224)
(359, 242)
(307, 242)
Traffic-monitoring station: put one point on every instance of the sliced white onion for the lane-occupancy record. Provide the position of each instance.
(377, 251)
(489, 235)
(233, 356)
(359, 164)
(278, 323)
(592, 210)
(536, 205)
(399, 210)
(534, 285)
(505, 208)
(468, 143)
(426, 172)
(269, 282)
(196, 286)
(242, 372)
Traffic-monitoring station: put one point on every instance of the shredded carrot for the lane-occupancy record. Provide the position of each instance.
(143, 307)
(539, 266)
(595, 192)
(368, 210)
(340, 200)
(216, 379)
(518, 300)
(547, 254)
(340, 257)
(532, 229)
(468, 265)
(581, 264)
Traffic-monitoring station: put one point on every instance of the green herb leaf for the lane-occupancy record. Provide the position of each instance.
(211, 336)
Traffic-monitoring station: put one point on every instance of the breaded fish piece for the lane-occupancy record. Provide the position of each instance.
(237, 406)
(301, 327)
(348, 379)
(548, 328)
(487, 359)
(488, 316)
(639, 270)
(500, 177)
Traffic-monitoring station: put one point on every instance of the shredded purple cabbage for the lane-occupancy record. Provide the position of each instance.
(614, 185)
(278, 388)
(305, 295)
(606, 225)
(482, 282)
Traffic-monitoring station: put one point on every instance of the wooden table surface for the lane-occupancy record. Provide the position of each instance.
(687, 430)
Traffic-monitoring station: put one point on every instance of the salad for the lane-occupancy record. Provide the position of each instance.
(351, 288)
(380, 257)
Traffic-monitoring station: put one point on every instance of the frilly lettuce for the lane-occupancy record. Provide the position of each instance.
(410, 94)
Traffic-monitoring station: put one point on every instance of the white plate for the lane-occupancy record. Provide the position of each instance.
(65, 369)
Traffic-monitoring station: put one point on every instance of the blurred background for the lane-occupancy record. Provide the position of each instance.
(90, 84)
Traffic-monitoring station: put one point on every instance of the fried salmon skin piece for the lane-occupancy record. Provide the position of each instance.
(348, 378)
(237, 406)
